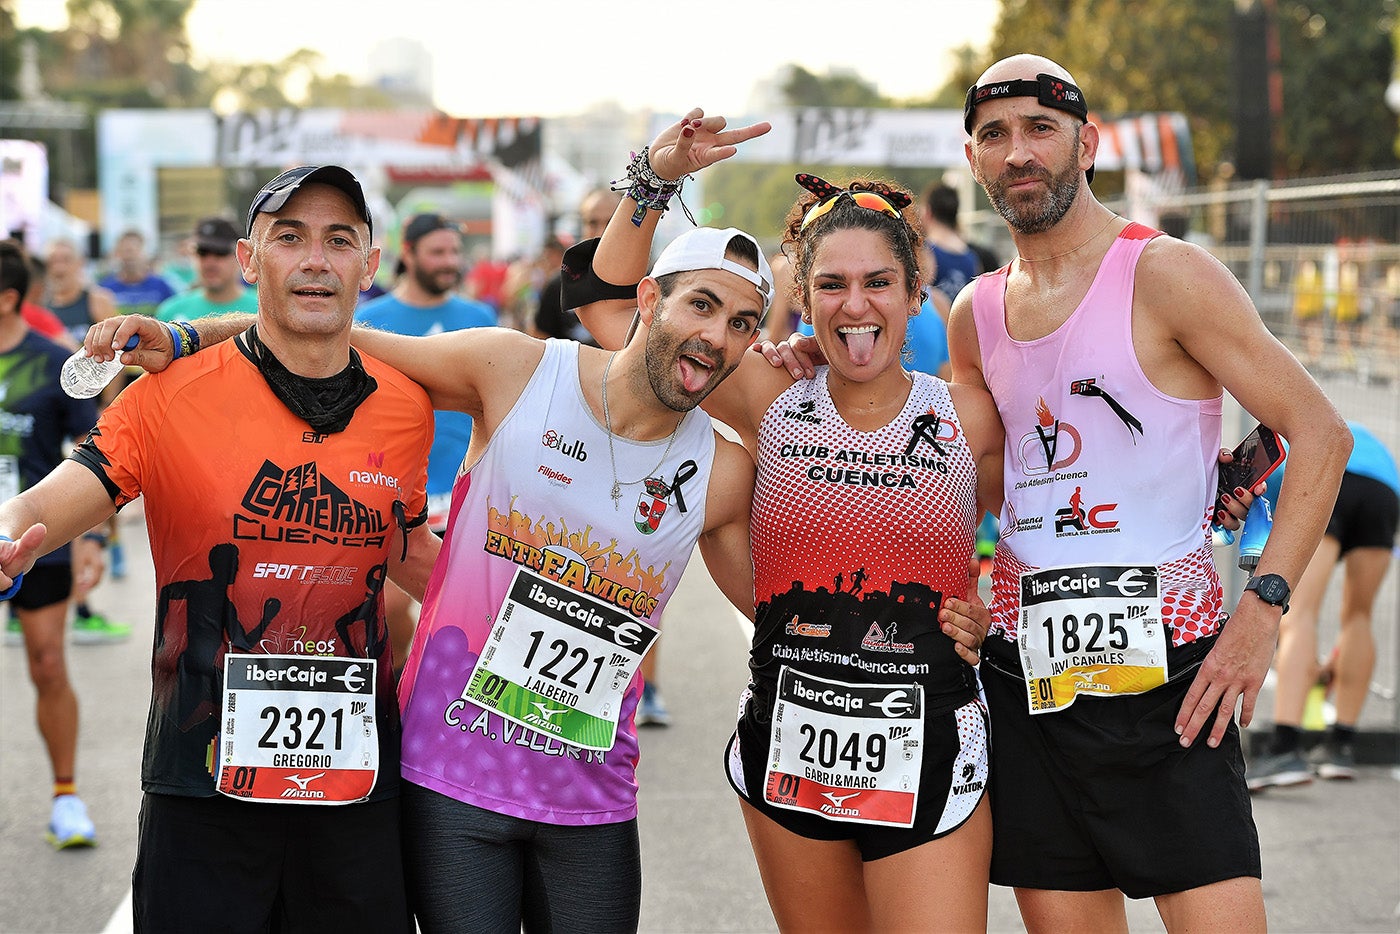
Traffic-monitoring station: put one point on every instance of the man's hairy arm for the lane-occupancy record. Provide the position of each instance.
(1209, 314)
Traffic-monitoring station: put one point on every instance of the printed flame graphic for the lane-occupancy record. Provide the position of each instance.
(602, 559)
(1042, 412)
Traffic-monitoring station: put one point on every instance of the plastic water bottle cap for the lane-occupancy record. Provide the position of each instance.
(131, 343)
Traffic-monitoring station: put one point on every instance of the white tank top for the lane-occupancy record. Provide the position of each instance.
(1100, 465)
(538, 500)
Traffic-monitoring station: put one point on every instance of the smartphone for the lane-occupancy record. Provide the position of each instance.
(1257, 456)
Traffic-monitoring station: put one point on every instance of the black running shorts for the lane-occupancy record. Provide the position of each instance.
(1101, 795)
(952, 782)
(217, 864)
(1366, 515)
(44, 585)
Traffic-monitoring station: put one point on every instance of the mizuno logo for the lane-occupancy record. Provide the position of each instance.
(303, 782)
(548, 713)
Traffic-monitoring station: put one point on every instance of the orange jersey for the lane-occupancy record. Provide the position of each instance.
(267, 537)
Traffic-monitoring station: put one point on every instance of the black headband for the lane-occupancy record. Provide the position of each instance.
(1049, 90)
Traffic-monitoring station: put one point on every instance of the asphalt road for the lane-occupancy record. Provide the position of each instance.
(1331, 850)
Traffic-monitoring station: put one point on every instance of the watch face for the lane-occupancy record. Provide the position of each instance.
(1271, 589)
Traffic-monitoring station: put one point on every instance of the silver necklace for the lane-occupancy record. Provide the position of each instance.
(612, 456)
(1092, 237)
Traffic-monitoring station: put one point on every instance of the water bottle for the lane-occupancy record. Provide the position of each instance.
(84, 377)
(1257, 525)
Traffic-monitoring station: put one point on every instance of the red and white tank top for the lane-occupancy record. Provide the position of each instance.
(856, 537)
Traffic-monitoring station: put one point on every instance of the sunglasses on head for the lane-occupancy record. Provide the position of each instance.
(829, 194)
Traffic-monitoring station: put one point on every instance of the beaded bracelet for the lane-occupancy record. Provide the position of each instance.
(647, 189)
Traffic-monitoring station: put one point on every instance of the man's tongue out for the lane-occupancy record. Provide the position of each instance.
(860, 345)
(693, 375)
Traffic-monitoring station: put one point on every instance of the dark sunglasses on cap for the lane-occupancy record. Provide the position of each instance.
(830, 194)
(204, 251)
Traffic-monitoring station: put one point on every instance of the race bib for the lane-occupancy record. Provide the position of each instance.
(298, 729)
(1090, 630)
(9, 477)
(846, 752)
(559, 662)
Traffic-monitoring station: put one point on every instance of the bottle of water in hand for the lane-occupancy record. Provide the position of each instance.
(1258, 523)
(84, 377)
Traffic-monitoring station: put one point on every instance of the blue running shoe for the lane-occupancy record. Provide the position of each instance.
(69, 824)
(652, 710)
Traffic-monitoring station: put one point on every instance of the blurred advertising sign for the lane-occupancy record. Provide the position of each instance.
(24, 189)
(135, 146)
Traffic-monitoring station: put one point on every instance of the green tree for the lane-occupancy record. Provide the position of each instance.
(802, 88)
(9, 54)
(143, 48)
(1133, 57)
(1337, 60)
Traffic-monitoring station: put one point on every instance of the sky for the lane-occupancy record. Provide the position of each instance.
(552, 57)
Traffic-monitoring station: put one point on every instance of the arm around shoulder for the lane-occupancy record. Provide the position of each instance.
(460, 370)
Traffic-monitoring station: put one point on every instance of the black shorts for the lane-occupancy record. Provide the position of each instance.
(952, 782)
(1101, 795)
(1366, 515)
(244, 866)
(44, 585)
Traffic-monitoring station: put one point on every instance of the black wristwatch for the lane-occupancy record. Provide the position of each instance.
(1270, 588)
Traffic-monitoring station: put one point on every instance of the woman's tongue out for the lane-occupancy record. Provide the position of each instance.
(860, 343)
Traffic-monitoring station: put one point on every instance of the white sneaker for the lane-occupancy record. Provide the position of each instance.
(69, 824)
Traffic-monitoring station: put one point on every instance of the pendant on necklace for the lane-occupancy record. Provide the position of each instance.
(616, 494)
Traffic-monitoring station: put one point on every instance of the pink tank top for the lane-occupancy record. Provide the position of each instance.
(537, 549)
(1100, 465)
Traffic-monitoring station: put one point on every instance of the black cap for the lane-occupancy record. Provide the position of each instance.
(420, 225)
(215, 235)
(275, 193)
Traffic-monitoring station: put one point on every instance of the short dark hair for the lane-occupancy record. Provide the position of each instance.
(941, 201)
(14, 268)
